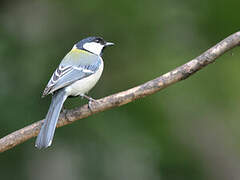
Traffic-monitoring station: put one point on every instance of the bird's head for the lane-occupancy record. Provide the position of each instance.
(94, 45)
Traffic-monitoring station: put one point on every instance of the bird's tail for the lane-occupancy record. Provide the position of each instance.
(46, 133)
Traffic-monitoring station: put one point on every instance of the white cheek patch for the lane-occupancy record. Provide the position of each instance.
(93, 47)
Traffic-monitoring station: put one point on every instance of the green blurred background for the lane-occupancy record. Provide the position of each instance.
(187, 131)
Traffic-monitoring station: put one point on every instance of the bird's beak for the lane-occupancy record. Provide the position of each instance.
(109, 44)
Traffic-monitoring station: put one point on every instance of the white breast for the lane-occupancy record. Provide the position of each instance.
(86, 84)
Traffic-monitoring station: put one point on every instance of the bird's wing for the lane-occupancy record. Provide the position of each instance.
(75, 66)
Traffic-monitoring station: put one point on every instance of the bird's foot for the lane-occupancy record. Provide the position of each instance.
(90, 106)
(90, 101)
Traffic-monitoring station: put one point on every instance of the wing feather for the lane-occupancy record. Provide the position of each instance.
(65, 75)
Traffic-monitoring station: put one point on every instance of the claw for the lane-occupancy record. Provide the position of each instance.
(90, 107)
(90, 101)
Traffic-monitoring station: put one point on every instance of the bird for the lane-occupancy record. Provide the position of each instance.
(76, 75)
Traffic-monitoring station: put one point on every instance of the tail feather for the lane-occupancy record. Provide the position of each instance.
(46, 133)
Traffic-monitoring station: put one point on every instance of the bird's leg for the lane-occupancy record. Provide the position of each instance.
(87, 97)
(90, 100)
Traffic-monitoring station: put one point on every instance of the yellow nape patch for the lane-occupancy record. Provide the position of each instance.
(78, 50)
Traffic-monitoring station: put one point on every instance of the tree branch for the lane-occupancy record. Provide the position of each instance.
(119, 99)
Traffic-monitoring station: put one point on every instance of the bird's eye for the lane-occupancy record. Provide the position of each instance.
(97, 40)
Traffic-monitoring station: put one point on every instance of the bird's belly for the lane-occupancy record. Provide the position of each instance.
(84, 85)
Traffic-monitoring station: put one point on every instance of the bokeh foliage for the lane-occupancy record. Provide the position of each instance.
(187, 131)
